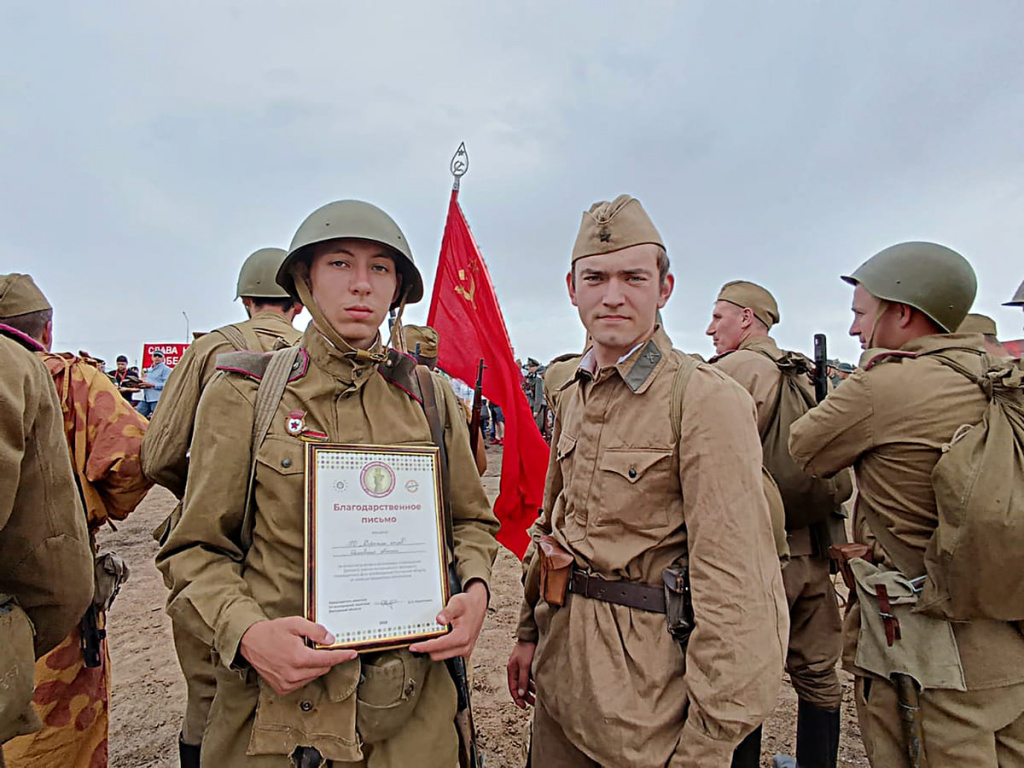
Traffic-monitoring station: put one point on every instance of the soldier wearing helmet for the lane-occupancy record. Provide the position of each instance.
(1018, 298)
(890, 421)
(741, 321)
(240, 589)
(271, 311)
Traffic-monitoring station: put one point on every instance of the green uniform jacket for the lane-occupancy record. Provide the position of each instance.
(45, 558)
(220, 590)
(165, 449)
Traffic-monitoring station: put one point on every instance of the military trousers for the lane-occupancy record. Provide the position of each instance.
(815, 632)
(427, 740)
(198, 665)
(966, 729)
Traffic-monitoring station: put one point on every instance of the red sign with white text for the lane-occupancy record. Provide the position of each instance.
(172, 354)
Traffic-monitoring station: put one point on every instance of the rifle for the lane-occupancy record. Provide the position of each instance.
(478, 401)
(91, 637)
(820, 367)
(470, 755)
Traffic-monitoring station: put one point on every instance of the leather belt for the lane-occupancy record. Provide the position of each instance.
(628, 593)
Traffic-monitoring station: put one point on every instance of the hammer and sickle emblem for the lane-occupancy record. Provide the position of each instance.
(605, 236)
(468, 293)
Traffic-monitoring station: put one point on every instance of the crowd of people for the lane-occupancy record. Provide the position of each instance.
(694, 514)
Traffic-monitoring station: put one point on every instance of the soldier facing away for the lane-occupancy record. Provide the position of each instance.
(640, 429)
(271, 312)
(279, 702)
(986, 326)
(741, 320)
(103, 435)
(46, 562)
(891, 421)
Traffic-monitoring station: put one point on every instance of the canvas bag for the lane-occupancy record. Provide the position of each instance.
(808, 500)
(975, 559)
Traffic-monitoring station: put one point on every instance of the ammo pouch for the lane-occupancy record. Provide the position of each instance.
(17, 672)
(312, 716)
(111, 571)
(555, 570)
(389, 689)
(678, 603)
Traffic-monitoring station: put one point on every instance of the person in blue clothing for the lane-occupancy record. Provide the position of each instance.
(156, 377)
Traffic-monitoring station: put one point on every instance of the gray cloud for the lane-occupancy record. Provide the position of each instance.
(148, 149)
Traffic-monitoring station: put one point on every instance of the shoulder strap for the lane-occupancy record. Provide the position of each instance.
(241, 337)
(687, 365)
(268, 398)
(435, 418)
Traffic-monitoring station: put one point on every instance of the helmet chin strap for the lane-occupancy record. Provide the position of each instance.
(882, 307)
(324, 327)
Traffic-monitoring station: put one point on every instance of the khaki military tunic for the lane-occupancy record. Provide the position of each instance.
(165, 459)
(815, 640)
(45, 558)
(46, 562)
(165, 450)
(220, 590)
(890, 423)
(612, 679)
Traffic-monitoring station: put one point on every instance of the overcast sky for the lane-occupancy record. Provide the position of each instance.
(147, 148)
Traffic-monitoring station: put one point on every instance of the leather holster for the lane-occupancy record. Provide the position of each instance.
(555, 569)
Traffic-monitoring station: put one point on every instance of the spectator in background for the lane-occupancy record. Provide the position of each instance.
(126, 382)
(497, 425)
(156, 377)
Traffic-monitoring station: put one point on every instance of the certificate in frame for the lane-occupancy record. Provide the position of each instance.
(375, 555)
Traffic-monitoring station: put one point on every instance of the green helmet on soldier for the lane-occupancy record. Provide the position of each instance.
(1018, 298)
(933, 279)
(359, 220)
(258, 277)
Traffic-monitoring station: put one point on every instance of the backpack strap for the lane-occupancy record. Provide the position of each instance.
(687, 365)
(268, 398)
(241, 337)
(435, 418)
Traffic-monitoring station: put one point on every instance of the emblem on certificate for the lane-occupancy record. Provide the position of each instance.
(376, 565)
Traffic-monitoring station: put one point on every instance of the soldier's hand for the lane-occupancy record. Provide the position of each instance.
(466, 613)
(276, 650)
(520, 684)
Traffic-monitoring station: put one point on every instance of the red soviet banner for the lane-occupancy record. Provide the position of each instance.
(172, 353)
(465, 313)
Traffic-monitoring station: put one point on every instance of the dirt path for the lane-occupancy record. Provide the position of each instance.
(148, 693)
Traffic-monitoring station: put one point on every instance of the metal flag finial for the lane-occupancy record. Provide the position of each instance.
(459, 164)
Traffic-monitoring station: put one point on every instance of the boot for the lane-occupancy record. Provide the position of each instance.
(188, 754)
(748, 753)
(817, 736)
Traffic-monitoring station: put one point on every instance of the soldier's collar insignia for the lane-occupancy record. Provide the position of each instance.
(295, 424)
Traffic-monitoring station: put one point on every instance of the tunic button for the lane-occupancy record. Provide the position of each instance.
(286, 462)
(306, 705)
(632, 473)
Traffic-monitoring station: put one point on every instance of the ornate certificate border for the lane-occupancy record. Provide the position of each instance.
(372, 639)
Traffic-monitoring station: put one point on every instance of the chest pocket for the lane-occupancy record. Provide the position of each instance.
(280, 464)
(633, 488)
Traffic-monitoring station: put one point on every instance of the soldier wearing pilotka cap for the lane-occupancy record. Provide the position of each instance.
(655, 467)
(742, 318)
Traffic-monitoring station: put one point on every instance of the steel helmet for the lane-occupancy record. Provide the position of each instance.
(1018, 298)
(258, 276)
(931, 278)
(362, 221)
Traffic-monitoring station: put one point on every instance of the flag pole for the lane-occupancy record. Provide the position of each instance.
(459, 165)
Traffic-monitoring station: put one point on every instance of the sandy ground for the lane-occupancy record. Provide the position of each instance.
(148, 692)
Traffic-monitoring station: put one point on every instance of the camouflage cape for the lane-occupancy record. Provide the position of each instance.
(104, 435)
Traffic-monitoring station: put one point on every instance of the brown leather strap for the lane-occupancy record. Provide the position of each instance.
(628, 593)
